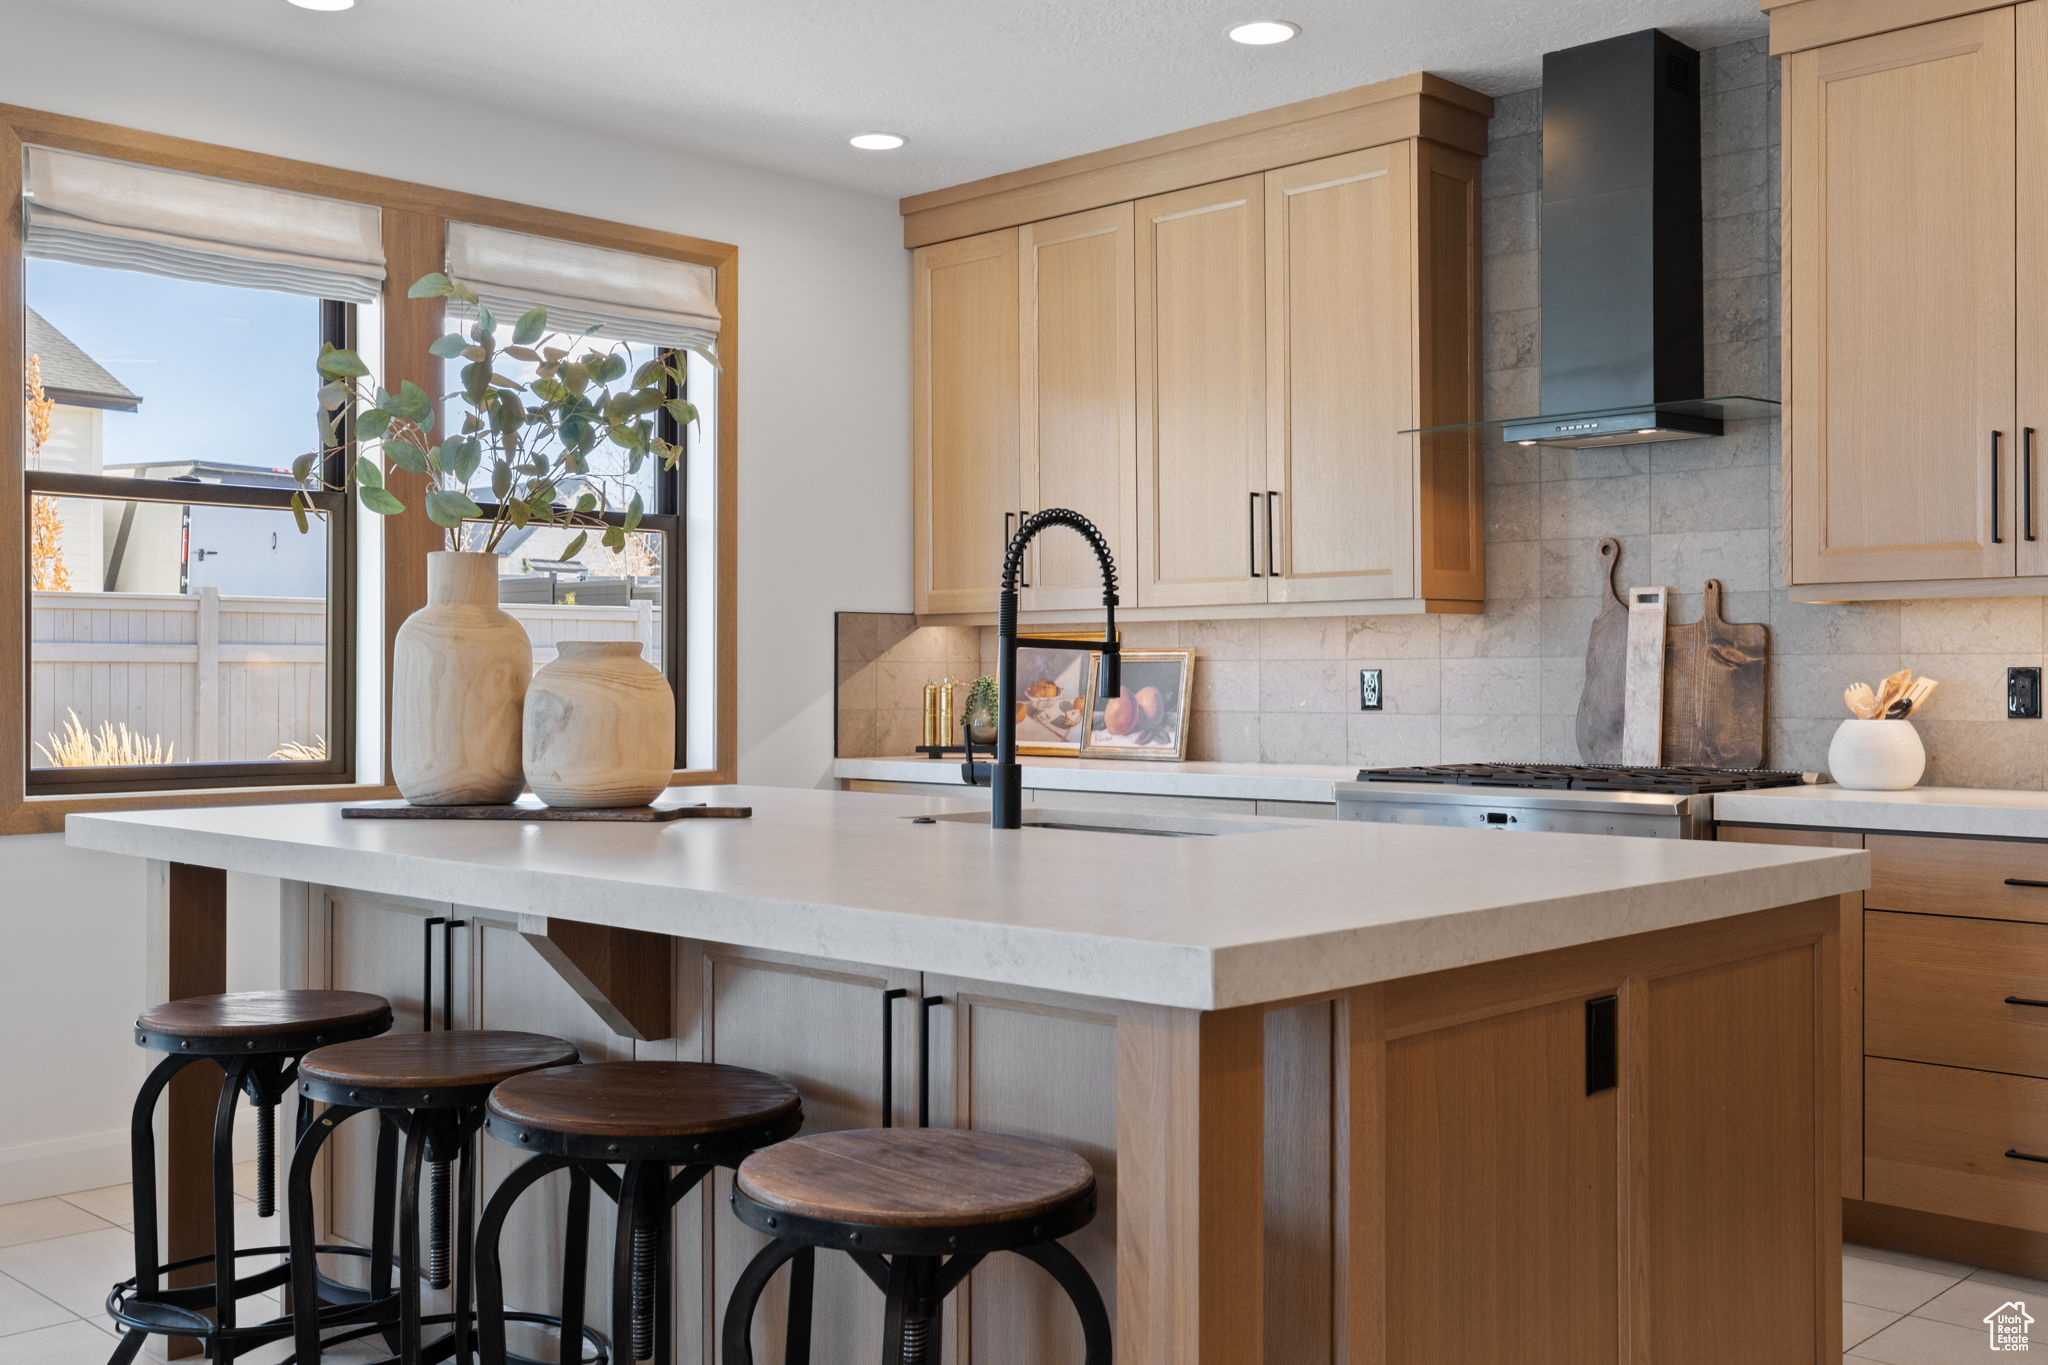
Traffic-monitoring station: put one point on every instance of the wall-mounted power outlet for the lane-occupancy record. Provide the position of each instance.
(2023, 694)
(1370, 697)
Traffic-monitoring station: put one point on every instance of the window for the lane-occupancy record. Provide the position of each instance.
(174, 298)
(182, 631)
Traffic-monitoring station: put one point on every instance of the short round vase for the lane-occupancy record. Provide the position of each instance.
(600, 727)
(1876, 755)
(459, 669)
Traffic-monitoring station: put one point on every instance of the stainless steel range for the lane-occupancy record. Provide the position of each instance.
(1556, 798)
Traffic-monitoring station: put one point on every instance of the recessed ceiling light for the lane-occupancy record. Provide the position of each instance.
(326, 5)
(1264, 32)
(876, 142)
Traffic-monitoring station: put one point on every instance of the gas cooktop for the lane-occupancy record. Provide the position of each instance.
(1587, 777)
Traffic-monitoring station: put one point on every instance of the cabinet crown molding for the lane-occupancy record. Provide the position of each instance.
(1415, 106)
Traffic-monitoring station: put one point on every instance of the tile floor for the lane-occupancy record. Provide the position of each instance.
(58, 1256)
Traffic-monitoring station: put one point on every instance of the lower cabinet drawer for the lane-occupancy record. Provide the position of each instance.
(1980, 878)
(1937, 1138)
(1958, 992)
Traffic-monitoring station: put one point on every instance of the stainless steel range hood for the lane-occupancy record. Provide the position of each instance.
(1622, 302)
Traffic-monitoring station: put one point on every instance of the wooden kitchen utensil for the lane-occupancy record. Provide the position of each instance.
(1714, 689)
(1642, 722)
(1602, 701)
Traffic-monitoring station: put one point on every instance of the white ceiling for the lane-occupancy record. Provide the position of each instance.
(977, 86)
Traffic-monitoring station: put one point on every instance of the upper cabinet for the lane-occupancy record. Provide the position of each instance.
(1916, 301)
(1216, 368)
(964, 365)
(1078, 439)
(1202, 397)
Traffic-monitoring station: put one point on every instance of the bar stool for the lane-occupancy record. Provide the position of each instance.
(916, 1209)
(647, 1118)
(257, 1038)
(431, 1087)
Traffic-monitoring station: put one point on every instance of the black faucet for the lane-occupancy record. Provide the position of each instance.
(1005, 779)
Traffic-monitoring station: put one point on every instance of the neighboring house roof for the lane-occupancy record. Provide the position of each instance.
(72, 377)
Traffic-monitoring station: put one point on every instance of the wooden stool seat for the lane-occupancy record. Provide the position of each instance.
(643, 1100)
(918, 1178)
(245, 1016)
(447, 1068)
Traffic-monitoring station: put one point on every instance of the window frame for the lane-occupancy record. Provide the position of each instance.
(414, 220)
(338, 326)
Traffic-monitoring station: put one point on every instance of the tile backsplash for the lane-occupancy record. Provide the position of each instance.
(1505, 685)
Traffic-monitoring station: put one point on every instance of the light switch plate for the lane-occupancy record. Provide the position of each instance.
(1370, 698)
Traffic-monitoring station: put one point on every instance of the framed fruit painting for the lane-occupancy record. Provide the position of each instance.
(1149, 718)
(1052, 685)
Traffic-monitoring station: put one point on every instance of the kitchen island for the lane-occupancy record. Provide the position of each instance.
(1354, 1091)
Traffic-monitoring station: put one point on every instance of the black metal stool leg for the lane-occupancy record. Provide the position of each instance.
(1073, 1277)
(465, 1247)
(409, 1340)
(224, 1264)
(803, 1273)
(384, 1217)
(575, 1268)
(736, 1345)
(896, 1312)
(142, 1170)
(490, 1268)
(298, 1193)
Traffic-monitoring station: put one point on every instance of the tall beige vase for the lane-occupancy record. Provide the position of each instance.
(600, 727)
(459, 672)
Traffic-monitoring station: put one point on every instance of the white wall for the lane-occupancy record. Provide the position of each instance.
(824, 451)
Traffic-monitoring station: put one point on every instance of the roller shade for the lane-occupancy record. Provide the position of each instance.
(92, 211)
(645, 299)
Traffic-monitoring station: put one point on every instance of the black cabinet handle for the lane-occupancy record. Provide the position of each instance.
(889, 999)
(924, 1058)
(2022, 881)
(2027, 481)
(1603, 1044)
(2022, 1000)
(2018, 1155)
(1272, 500)
(1251, 530)
(427, 972)
(1996, 538)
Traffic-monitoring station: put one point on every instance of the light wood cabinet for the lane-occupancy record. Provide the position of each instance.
(964, 397)
(1903, 428)
(1202, 514)
(1078, 415)
(1340, 368)
(1217, 372)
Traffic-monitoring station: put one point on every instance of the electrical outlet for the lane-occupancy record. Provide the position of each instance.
(1370, 698)
(2023, 694)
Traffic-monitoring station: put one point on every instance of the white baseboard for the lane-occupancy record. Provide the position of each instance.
(40, 1170)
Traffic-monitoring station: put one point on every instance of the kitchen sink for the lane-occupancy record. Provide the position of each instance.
(1141, 823)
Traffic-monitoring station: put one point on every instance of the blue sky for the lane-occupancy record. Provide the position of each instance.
(225, 374)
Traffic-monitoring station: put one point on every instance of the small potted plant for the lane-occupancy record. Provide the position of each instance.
(981, 710)
(461, 666)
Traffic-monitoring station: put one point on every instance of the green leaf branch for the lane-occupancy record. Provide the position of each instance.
(535, 436)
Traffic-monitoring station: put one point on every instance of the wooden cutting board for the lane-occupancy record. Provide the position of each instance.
(1714, 689)
(1602, 703)
(1642, 723)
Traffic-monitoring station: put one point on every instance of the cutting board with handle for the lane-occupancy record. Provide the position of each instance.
(1602, 703)
(1714, 689)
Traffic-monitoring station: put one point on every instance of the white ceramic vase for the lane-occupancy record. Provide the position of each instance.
(600, 727)
(1876, 755)
(459, 671)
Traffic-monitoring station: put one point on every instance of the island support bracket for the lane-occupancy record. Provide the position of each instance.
(626, 975)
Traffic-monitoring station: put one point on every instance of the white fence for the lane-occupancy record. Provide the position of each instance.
(227, 679)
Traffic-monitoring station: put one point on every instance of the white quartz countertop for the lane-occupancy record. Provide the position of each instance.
(1983, 812)
(1126, 777)
(1265, 910)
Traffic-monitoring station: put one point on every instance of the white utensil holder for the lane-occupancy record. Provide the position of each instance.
(1876, 755)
